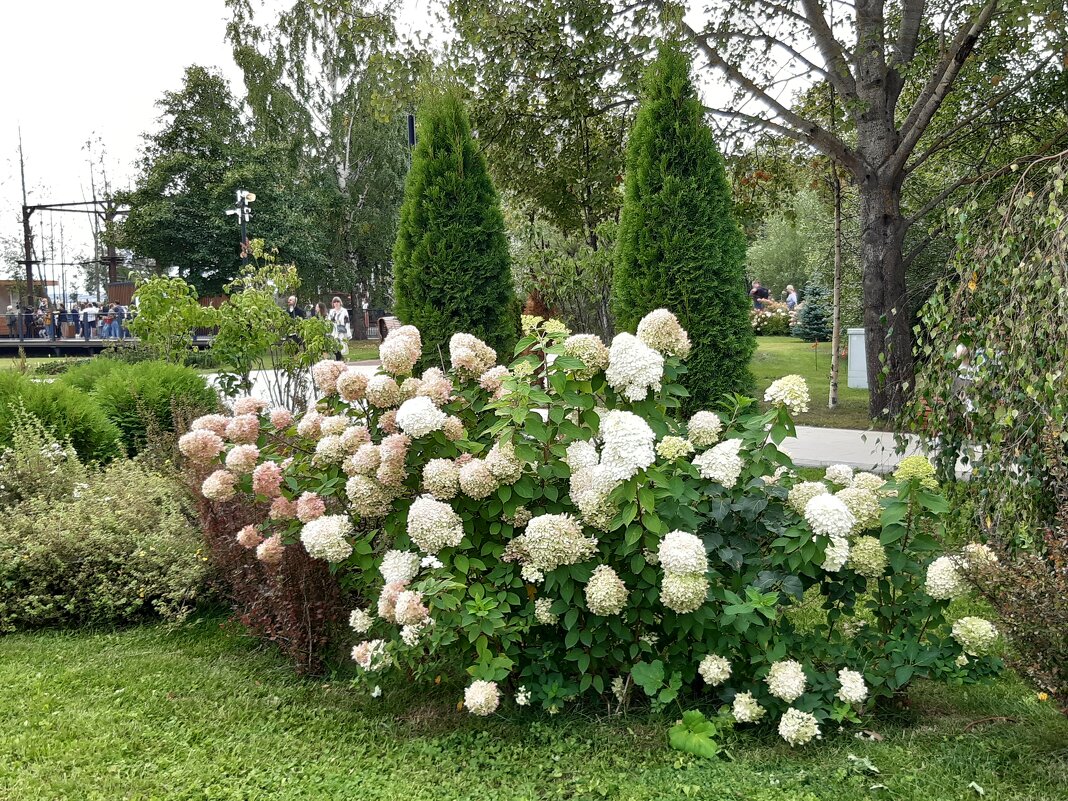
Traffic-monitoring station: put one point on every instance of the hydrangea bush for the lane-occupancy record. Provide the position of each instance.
(558, 530)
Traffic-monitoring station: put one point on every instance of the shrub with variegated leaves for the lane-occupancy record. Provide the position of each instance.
(558, 529)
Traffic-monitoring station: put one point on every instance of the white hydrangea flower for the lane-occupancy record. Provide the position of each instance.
(433, 525)
(325, 537)
(714, 670)
(721, 463)
(633, 367)
(840, 474)
(590, 350)
(671, 449)
(441, 478)
(470, 356)
(581, 454)
(853, 689)
(800, 494)
(976, 555)
(543, 612)
(418, 417)
(382, 391)
(975, 635)
(329, 450)
(628, 444)
(797, 727)
(682, 552)
(503, 463)
(944, 581)
(660, 330)
(333, 425)
(400, 350)
(430, 563)
(683, 592)
(836, 555)
(476, 480)
(590, 491)
(531, 574)
(412, 633)
(368, 497)
(863, 505)
(746, 709)
(790, 391)
(522, 697)
(786, 680)
(399, 566)
(704, 429)
(371, 655)
(828, 516)
(867, 557)
(868, 481)
(482, 698)
(606, 594)
(961, 661)
(360, 621)
(550, 541)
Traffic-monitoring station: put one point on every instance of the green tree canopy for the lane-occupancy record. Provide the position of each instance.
(679, 245)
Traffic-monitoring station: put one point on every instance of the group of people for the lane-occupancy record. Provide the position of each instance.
(337, 315)
(87, 320)
(760, 295)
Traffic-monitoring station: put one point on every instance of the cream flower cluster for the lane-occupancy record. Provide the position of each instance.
(219, 486)
(975, 635)
(309, 507)
(243, 428)
(683, 592)
(671, 449)
(786, 680)
(399, 566)
(682, 552)
(309, 426)
(470, 356)
(790, 391)
(633, 367)
(441, 478)
(267, 479)
(944, 581)
(200, 446)
(590, 350)
(482, 698)
(401, 350)
(863, 504)
(867, 557)
(333, 424)
(418, 417)
(409, 609)
(628, 444)
(249, 537)
(371, 655)
(329, 450)
(714, 670)
(216, 423)
(746, 709)
(836, 554)
(326, 538)
(492, 380)
(704, 429)
(382, 391)
(325, 375)
(868, 481)
(590, 490)
(477, 480)
(352, 385)
(249, 405)
(722, 463)
(433, 525)
(581, 454)
(916, 467)
(828, 516)
(360, 621)
(606, 594)
(550, 541)
(660, 330)
(543, 612)
(803, 492)
(797, 727)
(840, 474)
(502, 462)
(852, 688)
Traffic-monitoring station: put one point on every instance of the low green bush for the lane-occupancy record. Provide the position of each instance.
(58, 366)
(35, 465)
(141, 399)
(86, 375)
(120, 548)
(69, 414)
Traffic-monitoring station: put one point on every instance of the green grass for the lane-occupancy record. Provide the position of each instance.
(779, 356)
(199, 712)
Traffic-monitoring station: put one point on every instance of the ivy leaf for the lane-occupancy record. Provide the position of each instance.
(694, 734)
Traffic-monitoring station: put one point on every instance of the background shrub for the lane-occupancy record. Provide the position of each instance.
(814, 316)
(142, 398)
(771, 321)
(68, 414)
(58, 366)
(123, 549)
(35, 465)
(86, 375)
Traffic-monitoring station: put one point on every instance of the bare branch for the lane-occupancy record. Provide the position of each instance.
(837, 66)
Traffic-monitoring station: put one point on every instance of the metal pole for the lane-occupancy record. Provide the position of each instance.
(242, 214)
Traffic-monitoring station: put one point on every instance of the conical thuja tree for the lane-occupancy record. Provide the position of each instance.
(679, 246)
(450, 262)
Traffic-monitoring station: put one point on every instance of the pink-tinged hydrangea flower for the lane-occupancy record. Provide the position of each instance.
(433, 525)
(441, 478)
(550, 541)
(267, 479)
(242, 459)
(282, 509)
(797, 727)
(503, 463)
(790, 391)
(249, 405)
(281, 419)
(786, 680)
(590, 350)
(627, 444)
(660, 330)
(454, 429)
(309, 507)
(248, 537)
(476, 480)
(387, 600)
(219, 486)
(435, 385)
(419, 416)
(606, 594)
(704, 429)
(200, 446)
(470, 356)
(355, 437)
(722, 463)
(401, 350)
(245, 428)
(371, 655)
(387, 423)
(714, 670)
(352, 385)
(325, 375)
(211, 422)
(310, 425)
(333, 424)
(409, 388)
(365, 461)
(393, 451)
(383, 392)
(491, 380)
(327, 538)
(270, 551)
(634, 369)
(409, 609)
(482, 698)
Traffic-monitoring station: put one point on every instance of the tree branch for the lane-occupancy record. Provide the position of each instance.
(837, 66)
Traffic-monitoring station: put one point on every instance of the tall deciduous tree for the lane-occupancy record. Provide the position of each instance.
(679, 245)
(451, 261)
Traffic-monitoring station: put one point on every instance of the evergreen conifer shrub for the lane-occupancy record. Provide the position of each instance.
(814, 316)
(679, 246)
(450, 261)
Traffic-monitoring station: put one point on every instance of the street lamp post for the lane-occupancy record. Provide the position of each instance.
(243, 212)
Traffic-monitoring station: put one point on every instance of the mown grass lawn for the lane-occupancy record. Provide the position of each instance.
(200, 712)
(779, 356)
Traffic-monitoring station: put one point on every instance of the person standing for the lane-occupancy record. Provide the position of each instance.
(339, 319)
(293, 310)
(791, 297)
(89, 316)
(759, 294)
